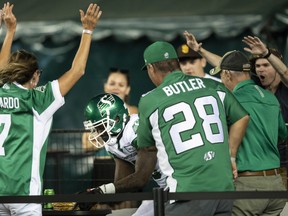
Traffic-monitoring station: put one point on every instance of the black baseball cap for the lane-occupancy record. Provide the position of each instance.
(184, 51)
(233, 60)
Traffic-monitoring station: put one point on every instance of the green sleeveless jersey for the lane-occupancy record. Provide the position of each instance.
(25, 123)
(187, 118)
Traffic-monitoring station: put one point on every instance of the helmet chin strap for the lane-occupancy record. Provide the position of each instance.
(113, 141)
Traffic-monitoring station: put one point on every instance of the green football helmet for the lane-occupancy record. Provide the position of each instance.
(105, 116)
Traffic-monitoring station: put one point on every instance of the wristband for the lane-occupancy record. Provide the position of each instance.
(233, 159)
(108, 188)
(86, 31)
(268, 54)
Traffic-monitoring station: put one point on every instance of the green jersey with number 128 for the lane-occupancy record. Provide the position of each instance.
(25, 122)
(187, 118)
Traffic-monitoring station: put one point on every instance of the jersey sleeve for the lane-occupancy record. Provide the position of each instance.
(126, 148)
(47, 100)
(144, 131)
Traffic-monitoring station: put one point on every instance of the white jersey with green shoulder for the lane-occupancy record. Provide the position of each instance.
(25, 123)
(187, 119)
(126, 148)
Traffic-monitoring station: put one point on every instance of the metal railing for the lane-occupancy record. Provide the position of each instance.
(159, 196)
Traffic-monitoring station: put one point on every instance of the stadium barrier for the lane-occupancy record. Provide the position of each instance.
(158, 195)
(69, 169)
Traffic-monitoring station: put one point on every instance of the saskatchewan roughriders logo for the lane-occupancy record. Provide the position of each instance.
(209, 155)
(105, 103)
(135, 126)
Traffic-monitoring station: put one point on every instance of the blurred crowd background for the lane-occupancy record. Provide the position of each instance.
(51, 30)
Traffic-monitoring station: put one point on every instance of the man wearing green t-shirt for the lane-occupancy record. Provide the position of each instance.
(258, 159)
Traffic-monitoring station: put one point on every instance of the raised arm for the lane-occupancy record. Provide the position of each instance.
(89, 21)
(257, 47)
(10, 23)
(211, 58)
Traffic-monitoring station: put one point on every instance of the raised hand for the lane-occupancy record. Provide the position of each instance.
(8, 17)
(256, 46)
(90, 18)
(192, 42)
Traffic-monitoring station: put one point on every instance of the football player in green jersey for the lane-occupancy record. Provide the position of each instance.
(26, 113)
(184, 124)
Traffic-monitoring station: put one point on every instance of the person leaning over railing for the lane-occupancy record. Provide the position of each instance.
(26, 117)
(111, 126)
(118, 83)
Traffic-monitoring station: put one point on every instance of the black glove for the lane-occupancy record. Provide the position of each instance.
(87, 206)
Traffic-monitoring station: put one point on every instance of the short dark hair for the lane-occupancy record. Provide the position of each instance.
(167, 66)
(253, 59)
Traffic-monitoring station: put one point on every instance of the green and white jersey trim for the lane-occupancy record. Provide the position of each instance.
(165, 166)
(42, 123)
(25, 124)
(124, 149)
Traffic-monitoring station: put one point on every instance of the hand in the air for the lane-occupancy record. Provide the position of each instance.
(256, 46)
(90, 18)
(192, 42)
(8, 17)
